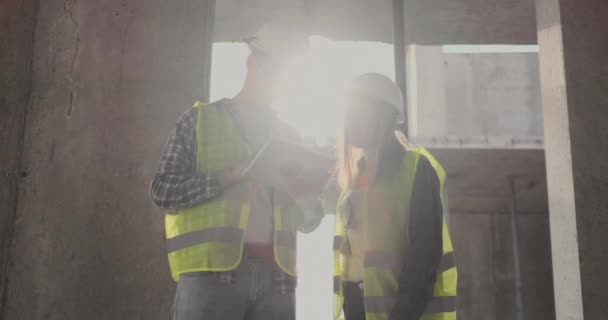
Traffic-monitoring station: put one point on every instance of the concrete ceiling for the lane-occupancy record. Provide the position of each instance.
(427, 21)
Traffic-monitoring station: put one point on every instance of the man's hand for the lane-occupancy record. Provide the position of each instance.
(231, 176)
(302, 188)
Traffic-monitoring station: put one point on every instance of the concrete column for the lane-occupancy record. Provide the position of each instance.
(109, 79)
(574, 77)
(426, 91)
(17, 18)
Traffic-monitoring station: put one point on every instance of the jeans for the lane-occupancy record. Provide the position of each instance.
(251, 296)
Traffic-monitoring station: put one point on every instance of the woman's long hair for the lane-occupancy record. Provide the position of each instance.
(389, 154)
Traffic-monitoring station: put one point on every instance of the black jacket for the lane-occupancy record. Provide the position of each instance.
(418, 274)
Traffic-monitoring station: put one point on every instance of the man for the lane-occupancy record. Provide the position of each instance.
(232, 242)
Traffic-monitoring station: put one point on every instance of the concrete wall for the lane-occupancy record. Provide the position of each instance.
(109, 79)
(484, 254)
(480, 201)
(16, 37)
(473, 94)
(495, 94)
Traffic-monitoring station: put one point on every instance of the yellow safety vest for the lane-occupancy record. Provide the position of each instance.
(385, 246)
(210, 237)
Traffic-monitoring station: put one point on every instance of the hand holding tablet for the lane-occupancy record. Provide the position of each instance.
(300, 169)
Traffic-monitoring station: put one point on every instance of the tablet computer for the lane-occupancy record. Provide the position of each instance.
(280, 160)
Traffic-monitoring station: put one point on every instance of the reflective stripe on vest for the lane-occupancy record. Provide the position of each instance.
(447, 262)
(442, 304)
(381, 304)
(219, 234)
(210, 237)
(339, 242)
(382, 266)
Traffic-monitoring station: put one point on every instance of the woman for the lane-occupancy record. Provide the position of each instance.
(390, 236)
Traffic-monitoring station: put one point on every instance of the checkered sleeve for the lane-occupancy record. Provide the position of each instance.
(177, 185)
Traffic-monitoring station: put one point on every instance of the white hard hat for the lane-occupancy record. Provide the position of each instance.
(279, 40)
(378, 87)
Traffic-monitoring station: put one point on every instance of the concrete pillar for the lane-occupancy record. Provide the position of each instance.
(574, 77)
(426, 91)
(109, 80)
(17, 19)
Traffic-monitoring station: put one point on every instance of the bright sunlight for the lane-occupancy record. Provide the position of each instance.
(310, 102)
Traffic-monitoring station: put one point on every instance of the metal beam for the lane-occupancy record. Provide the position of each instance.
(207, 38)
(519, 304)
(399, 54)
(479, 142)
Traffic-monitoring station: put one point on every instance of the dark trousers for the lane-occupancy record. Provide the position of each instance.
(354, 308)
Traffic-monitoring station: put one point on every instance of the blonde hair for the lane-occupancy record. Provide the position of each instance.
(348, 156)
(388, 153)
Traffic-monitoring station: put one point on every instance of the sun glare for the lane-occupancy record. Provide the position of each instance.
(310, 95)
(312, 89)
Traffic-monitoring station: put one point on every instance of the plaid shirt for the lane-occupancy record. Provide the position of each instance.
(177, 185)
